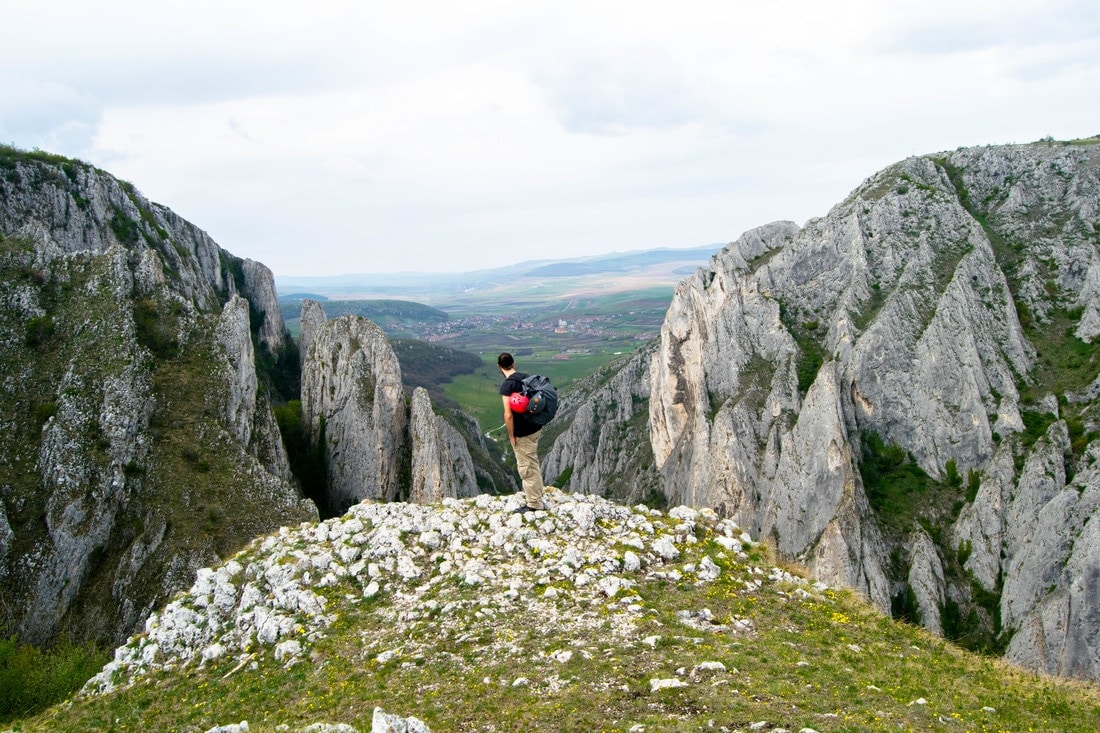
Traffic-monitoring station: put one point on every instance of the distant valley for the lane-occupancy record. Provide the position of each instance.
(566, 318)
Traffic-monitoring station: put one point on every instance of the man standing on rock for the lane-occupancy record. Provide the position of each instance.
(523, 434)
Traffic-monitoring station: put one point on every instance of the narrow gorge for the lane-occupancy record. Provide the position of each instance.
(901, 396)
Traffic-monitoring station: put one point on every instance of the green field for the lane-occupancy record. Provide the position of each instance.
(477, 394)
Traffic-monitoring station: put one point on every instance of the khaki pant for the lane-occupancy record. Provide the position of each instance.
(527, 462)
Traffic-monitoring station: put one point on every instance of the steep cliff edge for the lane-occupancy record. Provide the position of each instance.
(903, 395)
(140, 444)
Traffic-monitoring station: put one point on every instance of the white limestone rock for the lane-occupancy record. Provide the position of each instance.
(1053, 581)
(441, 462)
(259, 289)
(926, 578)
(384, 722)
(351, 385)
(309, 322)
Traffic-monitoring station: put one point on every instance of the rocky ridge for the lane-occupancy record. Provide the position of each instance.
(441, 463)
(602, 448)
(571, 567)
(943, 315)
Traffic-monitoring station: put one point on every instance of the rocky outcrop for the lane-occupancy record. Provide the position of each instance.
(572, 568)
(233, 337)
(354, 404)
(1051, 567)
(375, 446)
(313, 317)
(6, 537)
(139, 446)
(926, 579)
(942, 314)
(258, 283)
(441, 463)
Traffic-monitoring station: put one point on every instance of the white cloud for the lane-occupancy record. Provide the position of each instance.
(341, 136)
(48, 114)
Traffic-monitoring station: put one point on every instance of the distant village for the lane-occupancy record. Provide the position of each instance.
(583, 328)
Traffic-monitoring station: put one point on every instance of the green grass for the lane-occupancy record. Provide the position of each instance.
(478, 394)
(32, 679)
(811, 658)
(1065, 362)
(895, 485)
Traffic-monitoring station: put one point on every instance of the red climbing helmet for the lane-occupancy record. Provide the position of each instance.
(518, 402)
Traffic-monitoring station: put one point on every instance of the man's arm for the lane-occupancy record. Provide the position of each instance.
(508, 420)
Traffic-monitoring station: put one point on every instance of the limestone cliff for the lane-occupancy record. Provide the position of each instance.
(375, 446)
(313, 316)
(354, 404)
(138, 443)
(441, 463)
(903, 395)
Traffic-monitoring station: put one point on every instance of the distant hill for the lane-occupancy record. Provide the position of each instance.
(519, 283)
(296, 297)
(291, 305)
(430, 365)
(622, 263)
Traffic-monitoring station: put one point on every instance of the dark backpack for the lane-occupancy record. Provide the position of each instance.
(543, 399)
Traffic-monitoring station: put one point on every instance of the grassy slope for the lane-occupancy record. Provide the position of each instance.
(811, 658)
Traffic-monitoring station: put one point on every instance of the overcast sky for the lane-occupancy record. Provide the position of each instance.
(332, 136)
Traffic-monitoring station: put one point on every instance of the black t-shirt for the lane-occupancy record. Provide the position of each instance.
(520, 424)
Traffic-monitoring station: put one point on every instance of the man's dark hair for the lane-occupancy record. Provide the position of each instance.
(505, 361)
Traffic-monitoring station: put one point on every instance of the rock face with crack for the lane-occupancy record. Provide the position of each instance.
(441, 463)
(354, 405)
